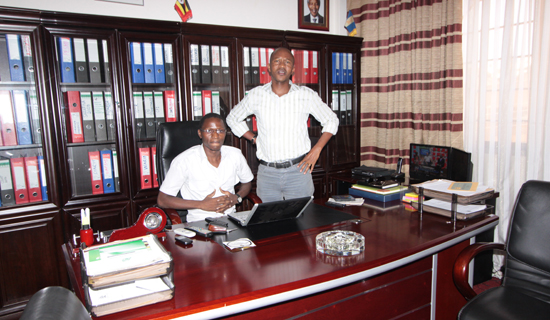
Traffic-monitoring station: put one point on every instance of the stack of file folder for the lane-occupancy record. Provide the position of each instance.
(126, 274)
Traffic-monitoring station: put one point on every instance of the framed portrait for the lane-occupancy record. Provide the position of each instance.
(313, 14)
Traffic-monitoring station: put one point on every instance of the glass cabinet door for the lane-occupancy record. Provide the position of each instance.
(23, 176)
(154, 100)
(343, 101)
(89, 114)
(211, 76)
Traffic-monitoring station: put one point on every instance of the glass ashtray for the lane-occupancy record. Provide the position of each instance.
(340, 243)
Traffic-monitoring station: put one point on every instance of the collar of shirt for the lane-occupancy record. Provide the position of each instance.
(293, 87)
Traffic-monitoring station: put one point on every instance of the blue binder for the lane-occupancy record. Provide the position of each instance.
(158, 57)
(350, 68)
(22, 123)
(15, 56)
(107, 171)
(137, 62)
(148, 65)
(335, 67)
(66, 59)
(341, 75)
(42, 173)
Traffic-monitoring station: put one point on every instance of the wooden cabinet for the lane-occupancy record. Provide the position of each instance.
(94, 89)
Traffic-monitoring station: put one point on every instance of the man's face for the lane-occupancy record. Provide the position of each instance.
(281, 65)
(211, 139)
(313, 6)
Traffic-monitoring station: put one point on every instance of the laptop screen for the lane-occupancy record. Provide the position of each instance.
(279, 210)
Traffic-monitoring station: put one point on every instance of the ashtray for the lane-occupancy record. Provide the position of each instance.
(340, 243)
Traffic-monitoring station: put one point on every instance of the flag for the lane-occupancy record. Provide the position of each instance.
(350, 25)
(183, 9)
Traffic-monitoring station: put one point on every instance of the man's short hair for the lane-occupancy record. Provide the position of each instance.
(281, 48)
(209, 116)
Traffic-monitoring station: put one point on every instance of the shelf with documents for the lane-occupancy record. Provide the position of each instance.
(211, 75)
(344, 68)
(23, 174)
(87, 113)
(151, 72)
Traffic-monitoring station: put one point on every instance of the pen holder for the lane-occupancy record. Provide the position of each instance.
(87, 236)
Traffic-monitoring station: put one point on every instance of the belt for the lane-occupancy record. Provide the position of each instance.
(284, 164)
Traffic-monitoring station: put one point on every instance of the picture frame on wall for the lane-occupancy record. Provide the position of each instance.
(313, 14)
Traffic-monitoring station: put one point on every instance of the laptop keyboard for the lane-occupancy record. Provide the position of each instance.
(242, 215)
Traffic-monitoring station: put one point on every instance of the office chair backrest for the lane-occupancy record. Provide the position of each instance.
(55, 303)
(527, 265)
(172, 139)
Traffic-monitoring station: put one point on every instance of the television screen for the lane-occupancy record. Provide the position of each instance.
(428, 162)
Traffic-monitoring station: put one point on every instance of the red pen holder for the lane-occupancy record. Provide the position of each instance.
(87, 236)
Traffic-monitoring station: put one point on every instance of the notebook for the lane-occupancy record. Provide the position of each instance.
(271, 211)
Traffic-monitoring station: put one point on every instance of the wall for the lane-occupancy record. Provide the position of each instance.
(266, 14)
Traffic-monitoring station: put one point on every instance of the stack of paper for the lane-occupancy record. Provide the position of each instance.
(126, 274)
(443, 208)
(347, 202)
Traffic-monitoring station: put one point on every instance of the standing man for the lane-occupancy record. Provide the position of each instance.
(314, 16)
(206, 175)
(282, 110)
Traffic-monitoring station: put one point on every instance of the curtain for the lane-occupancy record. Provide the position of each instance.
(507, 97)
(411, 76)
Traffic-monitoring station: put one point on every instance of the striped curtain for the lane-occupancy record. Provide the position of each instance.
(411, 76)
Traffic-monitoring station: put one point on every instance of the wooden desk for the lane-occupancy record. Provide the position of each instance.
(405, 269)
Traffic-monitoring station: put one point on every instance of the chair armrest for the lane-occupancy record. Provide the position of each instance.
(254, 197)
(460, 269)
(173, 215)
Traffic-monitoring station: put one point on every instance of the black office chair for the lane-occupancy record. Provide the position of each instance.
(525, 289)
(172, 139)
(55, 303)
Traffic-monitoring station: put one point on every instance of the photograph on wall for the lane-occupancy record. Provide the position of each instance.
(313, 14)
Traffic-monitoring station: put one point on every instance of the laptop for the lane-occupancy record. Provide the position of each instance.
(272, 211)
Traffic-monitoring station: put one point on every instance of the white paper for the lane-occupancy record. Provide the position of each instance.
(126, 291)
(446, 205)
(443, 186)
(120, 262)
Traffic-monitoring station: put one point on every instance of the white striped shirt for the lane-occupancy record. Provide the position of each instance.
(282, 121)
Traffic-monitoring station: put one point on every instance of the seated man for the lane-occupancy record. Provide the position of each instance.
(206, 175)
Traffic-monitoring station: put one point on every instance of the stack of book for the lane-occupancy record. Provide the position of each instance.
(126, 274)
(378, 194)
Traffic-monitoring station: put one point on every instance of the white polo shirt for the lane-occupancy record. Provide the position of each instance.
(192, 175)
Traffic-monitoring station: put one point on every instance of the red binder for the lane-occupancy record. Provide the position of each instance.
(74, 127)
(264, 75)
(306, 77)
(154, 160)
(298, 67)
(145, 167)
(313, 67)
(254, 124)
(33, 179)
(9, 135)
(170, 105)
(95, 172)
(19, 180)
(206, 102)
